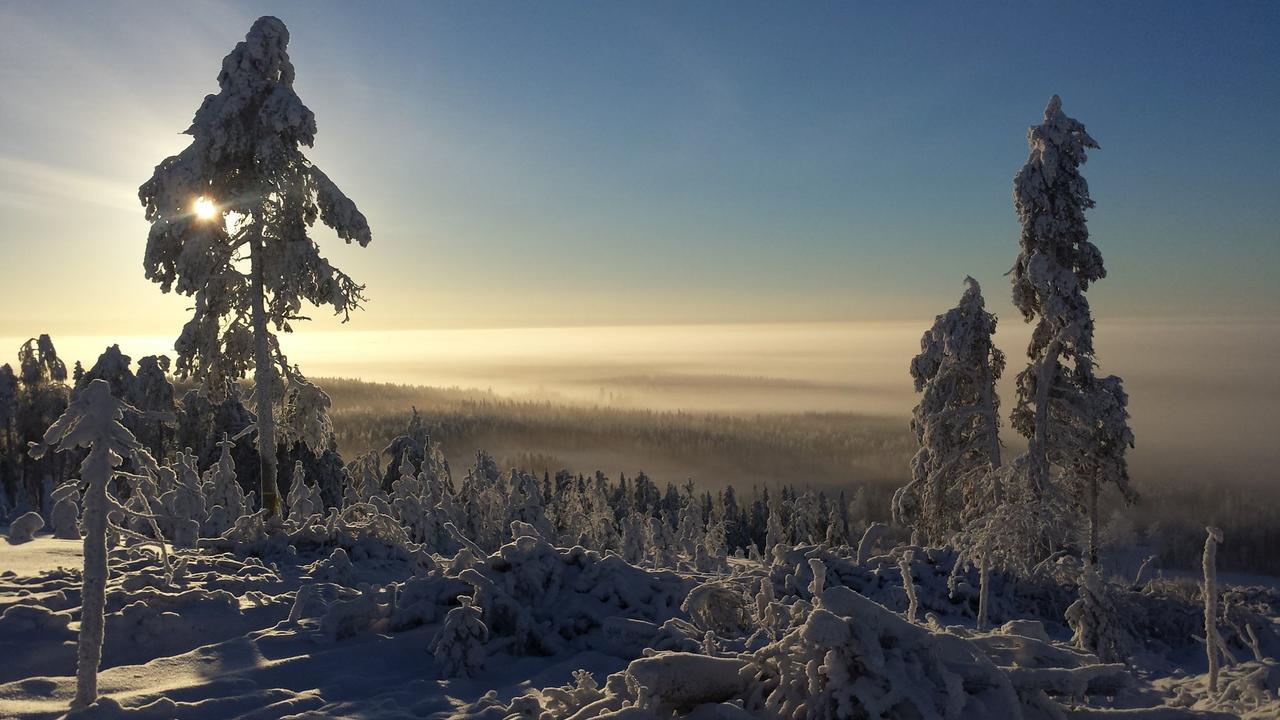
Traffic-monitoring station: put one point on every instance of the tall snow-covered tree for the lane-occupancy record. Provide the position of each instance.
(8, 418)
(243, 190)
(1073, 420)
(41, 400)
(114, 367)
(152, 392)
(957, 421)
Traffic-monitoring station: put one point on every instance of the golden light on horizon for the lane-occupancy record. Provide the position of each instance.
(205, 209)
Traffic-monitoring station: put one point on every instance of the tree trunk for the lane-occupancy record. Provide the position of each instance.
(984, 588)
(1039, 448)
(1093, 519)
(97, 471)
(989, 413)
(264, 382)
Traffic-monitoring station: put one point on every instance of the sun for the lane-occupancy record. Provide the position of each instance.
(205, 209)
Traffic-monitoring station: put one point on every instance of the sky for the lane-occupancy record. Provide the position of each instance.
(603, 163)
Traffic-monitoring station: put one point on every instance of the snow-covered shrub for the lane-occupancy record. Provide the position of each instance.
(718, 607)
(65, 516)
(549, 599)
(336, 569)
(870, 538)
(853, 658)
(459, 646)
(24, 527)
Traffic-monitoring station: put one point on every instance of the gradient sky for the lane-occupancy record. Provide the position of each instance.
(568, 163)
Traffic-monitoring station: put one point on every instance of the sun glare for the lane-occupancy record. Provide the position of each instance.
(205, 209)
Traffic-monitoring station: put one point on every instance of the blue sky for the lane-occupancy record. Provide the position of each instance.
(566, 163)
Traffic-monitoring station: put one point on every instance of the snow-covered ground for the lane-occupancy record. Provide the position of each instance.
(228, 637)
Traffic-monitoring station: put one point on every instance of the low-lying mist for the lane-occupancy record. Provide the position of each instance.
(1201, 394)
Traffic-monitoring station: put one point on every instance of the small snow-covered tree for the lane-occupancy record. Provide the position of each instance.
(459, 645)
(93, 421)
(909, 584)
(1095, 620)
(185, 503)
(223, 494)
(65, 516)
(245, 164)
(775, 532)
(304, 500)
(957, 421)
(1214, 646)
(837, 534)
(1072, 419)
(637, 537)
(805, 516)
(41, 400)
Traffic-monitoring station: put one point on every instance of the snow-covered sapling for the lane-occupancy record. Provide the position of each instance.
(1096, 620)
(1214, 646)
(185, 503)
(459, 645)
(245, 164)
(65, 516)
(304, 500)
(222, 492)
(93, 421)
(870, 538)
(909, 584)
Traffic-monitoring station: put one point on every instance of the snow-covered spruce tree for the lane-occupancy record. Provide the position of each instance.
(805, 517)
(223, 494)
(837, 535)
(114, 367)
(303, 498)
(152, 392)
(93, 421)
(957, 421)
(1094, 618)
(775, 532)
(1072, 419)
(245, 163)
(42, 398)
(185, 503)
(458, 647)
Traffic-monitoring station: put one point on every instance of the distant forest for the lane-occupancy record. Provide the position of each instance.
(824, 451)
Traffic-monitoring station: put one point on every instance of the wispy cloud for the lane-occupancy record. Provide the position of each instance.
(34, 185)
